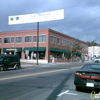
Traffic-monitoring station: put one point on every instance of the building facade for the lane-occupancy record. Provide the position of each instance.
(93, 51)
(51, 44)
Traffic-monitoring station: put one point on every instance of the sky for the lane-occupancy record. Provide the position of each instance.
(81, 17)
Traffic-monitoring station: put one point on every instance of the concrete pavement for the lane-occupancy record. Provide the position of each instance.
(30, 64)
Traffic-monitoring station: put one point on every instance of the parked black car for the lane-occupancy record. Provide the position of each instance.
(9, 61)
(88, 76)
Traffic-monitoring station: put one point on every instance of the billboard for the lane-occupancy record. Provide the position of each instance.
(36, 17)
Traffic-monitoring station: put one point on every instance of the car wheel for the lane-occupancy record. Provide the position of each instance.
(1, 68)
(78, 88)
(17, 67)
(5, 69)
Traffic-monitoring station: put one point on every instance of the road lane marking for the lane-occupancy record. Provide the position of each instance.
(72, 93)
(21, 76)
(76, 67)
(63, 93)
(66, 92)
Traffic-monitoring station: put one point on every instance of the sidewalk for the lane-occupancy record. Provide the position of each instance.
(30, 64)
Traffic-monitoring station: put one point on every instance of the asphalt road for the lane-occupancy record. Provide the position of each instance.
(49, 82)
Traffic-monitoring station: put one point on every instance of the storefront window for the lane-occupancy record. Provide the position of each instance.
(41, 55)
(55, 55)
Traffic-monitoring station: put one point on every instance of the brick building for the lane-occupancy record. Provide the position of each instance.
(51, 44)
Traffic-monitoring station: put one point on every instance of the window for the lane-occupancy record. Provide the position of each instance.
(6, 40)
(34, 38)
(68, 43)
(0, 40)
(42, 38)
(28, 39)
(55, 40)
(41, 55)
(63, 42)
(18, 39)
(51, 39)
(58, 40)
(12, 39)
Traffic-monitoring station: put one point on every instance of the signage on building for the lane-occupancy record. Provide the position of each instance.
(11, 49)
(36, 17)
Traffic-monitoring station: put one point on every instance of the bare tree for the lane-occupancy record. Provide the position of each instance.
(74, 47)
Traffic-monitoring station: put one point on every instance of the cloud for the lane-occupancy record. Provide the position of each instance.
(82, 17)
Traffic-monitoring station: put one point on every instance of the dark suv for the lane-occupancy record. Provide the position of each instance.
(9, 61)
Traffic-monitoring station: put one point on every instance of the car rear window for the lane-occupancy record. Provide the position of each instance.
(1, 58)
(91, 67)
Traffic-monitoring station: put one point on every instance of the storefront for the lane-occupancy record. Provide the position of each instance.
(16, 51)
(59, 54)
(31, 52)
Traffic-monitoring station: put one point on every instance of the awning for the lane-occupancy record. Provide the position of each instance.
(28, 48)
(55, 50)
(65, 51)
(39, 49)
(34, 49)
(79, 53)
(12, 49)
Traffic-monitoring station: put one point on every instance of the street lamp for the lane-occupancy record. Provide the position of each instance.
(37, 39)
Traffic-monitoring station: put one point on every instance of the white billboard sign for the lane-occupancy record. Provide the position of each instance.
(36, 17)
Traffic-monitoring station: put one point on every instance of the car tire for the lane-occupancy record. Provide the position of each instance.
(17, 67)
(5, 69)
(1, 68)
(78, 88)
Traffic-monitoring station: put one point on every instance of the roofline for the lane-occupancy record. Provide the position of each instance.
(48, 29)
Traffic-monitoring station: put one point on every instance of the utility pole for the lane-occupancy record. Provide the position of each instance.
(37, 40)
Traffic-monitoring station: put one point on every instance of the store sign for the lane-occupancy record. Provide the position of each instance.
(36, 17)
(11, 49)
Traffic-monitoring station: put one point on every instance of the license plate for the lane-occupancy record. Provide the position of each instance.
(90, 84)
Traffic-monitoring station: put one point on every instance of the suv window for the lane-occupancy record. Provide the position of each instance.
(6, 59)
(16, 59)
(1, 58)
(11, 59)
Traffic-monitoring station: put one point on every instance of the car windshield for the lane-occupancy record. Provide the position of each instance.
(97, 58)
(1, 58)
(91, 67)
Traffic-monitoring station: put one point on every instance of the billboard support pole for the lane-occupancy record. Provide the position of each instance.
(37, 40)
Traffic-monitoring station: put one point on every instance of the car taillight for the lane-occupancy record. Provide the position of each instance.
(95, 77)
(78, 74)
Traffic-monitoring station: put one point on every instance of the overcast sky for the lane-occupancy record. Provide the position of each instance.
(81, 17)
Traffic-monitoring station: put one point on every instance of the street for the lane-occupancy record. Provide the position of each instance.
(51, 82)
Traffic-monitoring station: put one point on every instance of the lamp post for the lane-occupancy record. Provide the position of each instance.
(37, 39)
